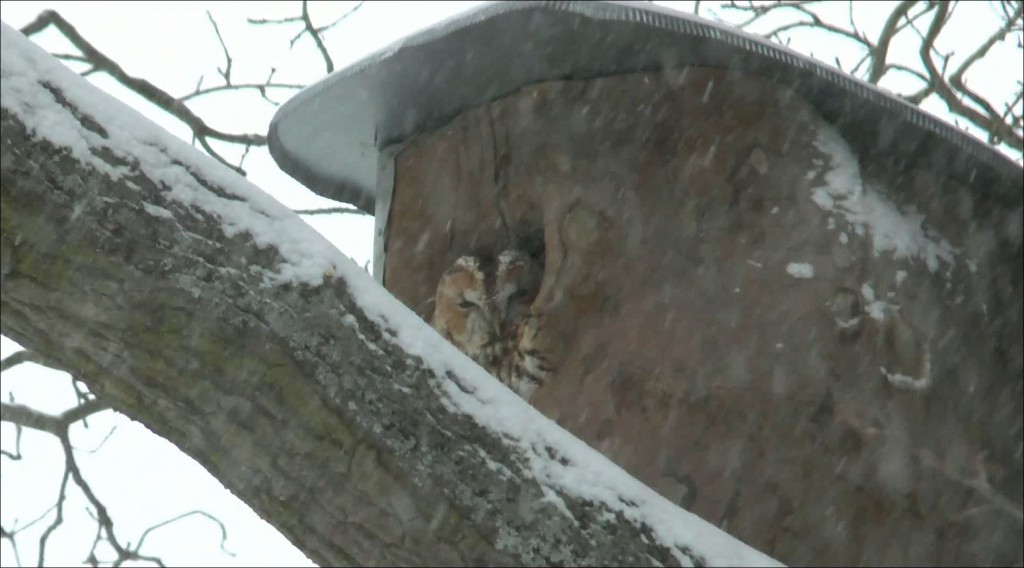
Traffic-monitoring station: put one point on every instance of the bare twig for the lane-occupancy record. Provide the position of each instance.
(155, 95)
(59, 425)
(223, 530)
(25, 356)
(316, 33)
(8, 536)
(261, 87)
(953, 102)
(1002, 126)
(57, 520)
(881, 50)
(226, 72)
(265, 21)
(344, 17)
(16, 454)
(29, 417)
(103, 442)
(329, 211)
(998, 131)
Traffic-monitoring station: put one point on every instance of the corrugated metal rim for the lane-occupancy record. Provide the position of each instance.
(329, 135)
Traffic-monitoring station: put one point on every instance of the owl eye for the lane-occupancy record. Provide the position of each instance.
(466, 304)
(518, 294)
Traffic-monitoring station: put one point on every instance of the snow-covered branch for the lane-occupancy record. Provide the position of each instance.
(190, 301)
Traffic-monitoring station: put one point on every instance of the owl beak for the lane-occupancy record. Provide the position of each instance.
(495, 321)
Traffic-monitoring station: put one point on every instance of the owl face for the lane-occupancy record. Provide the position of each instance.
(464, 312)
(481, 303)
(515, 288)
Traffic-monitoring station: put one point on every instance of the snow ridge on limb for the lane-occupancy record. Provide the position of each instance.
(433, 422)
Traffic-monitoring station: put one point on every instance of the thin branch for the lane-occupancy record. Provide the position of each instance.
(102, 442)
(315, 34)
(261, 87)
(759, 11)
(33, 522)
(61, 495)
(158, 97)
(223, 530)
(70, 57)
(226, 72)
(26, 356)
(1001, 127)
(345, 17)
(29, 417)
(59, 425)
(266, 21)
(309, 29)
(16, 454)
(5, 535)
(956, 79)
(205, 143)
(103, 518)
(329, 211)
(944, 91)
(245, 154)
(881, 51)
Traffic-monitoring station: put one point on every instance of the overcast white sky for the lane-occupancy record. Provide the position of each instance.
(143, 479)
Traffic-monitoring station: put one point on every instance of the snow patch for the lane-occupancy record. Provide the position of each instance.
(868, 292)
(869, 212)
(851, 323)
(170, 162)
(800, 270)
(874, 308)
(157, 211)
(903, 382)
(901, 275)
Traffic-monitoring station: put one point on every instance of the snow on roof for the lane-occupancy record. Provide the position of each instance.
(867, 210)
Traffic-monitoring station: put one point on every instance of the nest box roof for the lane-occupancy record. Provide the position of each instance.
(329, 135)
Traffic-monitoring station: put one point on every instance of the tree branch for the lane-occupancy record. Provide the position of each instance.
(330, 211)
(880, 53)
(313, 33)
(998, 131)
(308, 28)
(298, 396)
(944, 91)
(155, 95)
(1001, 126)
(29, 417)
(23, 356)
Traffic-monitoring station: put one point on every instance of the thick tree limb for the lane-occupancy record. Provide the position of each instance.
(291, 395)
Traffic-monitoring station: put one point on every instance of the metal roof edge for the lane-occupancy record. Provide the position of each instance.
(957, 151)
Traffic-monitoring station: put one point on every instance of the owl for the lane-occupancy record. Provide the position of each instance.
(483, 307)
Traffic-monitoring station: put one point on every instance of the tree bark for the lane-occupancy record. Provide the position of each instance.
(291, 396)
